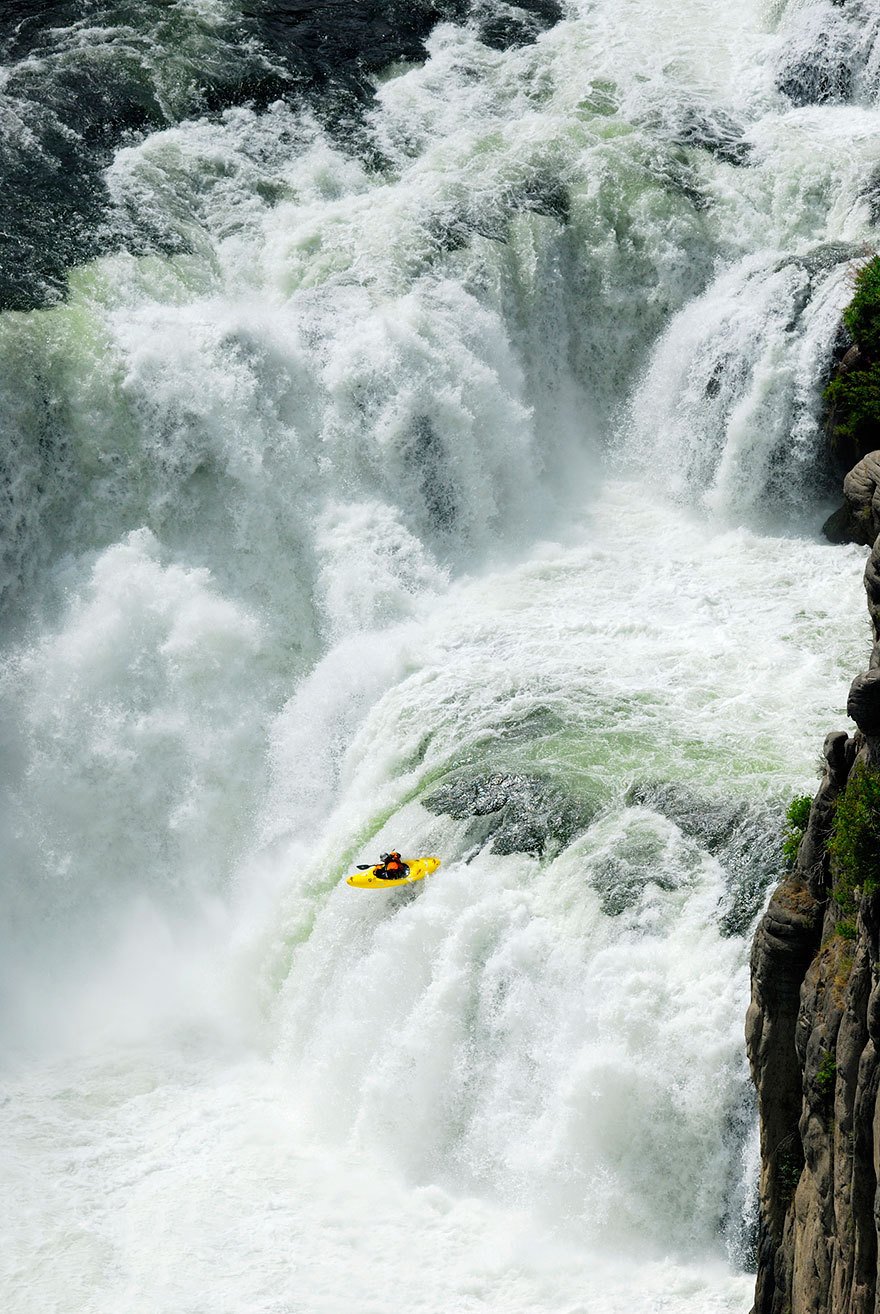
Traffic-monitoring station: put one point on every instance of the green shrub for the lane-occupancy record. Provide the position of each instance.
(862, 315)
(855, 398)
(796, 817)
(846, 929)
(789, 1166)
(826, 1074)
(854, 844)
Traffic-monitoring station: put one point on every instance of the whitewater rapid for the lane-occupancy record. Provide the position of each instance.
(484, 439)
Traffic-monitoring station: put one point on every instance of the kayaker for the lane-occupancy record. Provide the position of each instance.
(392, 868)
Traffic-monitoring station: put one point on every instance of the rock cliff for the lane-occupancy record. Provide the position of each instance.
(813, 1025)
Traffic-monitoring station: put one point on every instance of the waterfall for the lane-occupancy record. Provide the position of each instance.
(421, 451)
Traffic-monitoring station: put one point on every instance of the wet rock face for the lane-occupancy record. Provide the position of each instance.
(823, 77)
(519, 813)
(743, 837)
(502, 26)
(323, 41)
(717, 133)
(326, 40)
(621, 878)
(514, 813)
(825, 54)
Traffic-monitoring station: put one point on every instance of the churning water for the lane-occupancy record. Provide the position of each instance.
(442, 472)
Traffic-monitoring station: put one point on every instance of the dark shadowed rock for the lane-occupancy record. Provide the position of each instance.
(822, 77)
(345, 41)
(349, 40)
(838, 528)
(502, 26)
(858, 520)
(863, 704)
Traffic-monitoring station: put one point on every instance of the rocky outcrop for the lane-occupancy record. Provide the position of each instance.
(813, 1032)
(740, 836)
(515, 813)
(858, 520)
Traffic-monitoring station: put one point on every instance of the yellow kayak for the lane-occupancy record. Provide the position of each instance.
(419, 868)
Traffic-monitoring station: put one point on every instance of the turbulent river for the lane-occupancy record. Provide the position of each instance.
(430, 460)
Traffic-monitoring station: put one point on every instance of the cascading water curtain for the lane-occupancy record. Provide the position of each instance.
(412, 439)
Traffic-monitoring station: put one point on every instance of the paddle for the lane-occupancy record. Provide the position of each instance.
(364, 866)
